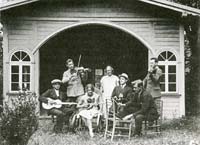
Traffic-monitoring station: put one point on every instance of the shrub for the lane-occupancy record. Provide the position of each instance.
(19, 119)
(188, 123)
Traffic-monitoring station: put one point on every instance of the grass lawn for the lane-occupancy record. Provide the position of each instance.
(175, 132)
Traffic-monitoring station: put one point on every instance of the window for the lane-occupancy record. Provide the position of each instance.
(20, 71)
(168, 64)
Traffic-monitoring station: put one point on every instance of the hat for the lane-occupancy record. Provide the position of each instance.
(136, 82)
(124, 75)
(56, 81)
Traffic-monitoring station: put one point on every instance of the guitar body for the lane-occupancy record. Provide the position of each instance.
(55, 104)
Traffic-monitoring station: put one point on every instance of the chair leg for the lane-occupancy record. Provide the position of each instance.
(52, 116)
(106, 129)
(130, 130)
(113, 130)
(145, 127)
(156, 122)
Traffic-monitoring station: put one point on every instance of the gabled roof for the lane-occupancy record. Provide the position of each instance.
(185, 10)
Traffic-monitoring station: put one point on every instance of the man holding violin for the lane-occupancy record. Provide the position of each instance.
(152, 80)
(72, 78)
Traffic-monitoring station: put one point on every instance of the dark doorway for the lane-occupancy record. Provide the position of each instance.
(99, 46)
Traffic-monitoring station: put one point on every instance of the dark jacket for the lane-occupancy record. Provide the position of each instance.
(146, 105)
(126, 91)
(50, 93)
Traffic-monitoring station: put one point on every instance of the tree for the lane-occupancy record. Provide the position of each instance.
(192, 45)
(192, 3)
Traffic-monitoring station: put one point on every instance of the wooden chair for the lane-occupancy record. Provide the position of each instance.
(156, 127)
(116, 127)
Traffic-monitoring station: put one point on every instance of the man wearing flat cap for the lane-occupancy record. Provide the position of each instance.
(62, 113)
(122, 93)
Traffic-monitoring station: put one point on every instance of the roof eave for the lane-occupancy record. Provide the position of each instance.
(184, 10)
(11, 4)
(174, 6)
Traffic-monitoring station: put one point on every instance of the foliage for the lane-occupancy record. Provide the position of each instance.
(1, 75)
(188, 123)
(19, 119)
(192, 3)
(192, 88)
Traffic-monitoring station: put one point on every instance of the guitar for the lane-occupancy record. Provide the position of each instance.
(55, 104)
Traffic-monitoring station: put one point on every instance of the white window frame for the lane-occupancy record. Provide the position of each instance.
(166, 64)
(20, 64)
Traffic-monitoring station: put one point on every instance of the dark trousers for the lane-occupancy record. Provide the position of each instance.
(62, 115)
(126, 111)
(138, 123)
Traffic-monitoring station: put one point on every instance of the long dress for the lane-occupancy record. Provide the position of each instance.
(92, 109)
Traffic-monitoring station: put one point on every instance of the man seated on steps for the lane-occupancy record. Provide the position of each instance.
(146, 110)
(62, 113)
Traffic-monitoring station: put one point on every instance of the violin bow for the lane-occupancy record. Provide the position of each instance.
(79, 60)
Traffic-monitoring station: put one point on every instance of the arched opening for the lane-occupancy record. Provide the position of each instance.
(99, 46)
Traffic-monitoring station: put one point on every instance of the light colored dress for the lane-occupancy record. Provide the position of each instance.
(89, 112)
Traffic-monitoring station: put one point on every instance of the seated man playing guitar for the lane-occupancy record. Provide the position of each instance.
(52, 101)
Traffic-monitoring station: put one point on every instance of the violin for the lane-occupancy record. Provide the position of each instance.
(83, 69)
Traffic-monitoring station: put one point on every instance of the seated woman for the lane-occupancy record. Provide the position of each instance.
(88, 107)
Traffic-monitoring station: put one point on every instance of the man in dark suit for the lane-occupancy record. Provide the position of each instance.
(62, 113)
(152, 79)
(146, 107)
(122, 93)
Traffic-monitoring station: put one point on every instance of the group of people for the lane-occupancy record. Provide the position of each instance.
(136, 100)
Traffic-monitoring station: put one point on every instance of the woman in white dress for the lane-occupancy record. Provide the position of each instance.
(88, 107)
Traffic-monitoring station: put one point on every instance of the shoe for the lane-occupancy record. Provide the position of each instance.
(57, 129)
(91, 134)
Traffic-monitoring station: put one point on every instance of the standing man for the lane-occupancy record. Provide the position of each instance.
(62, 113)
(108, 83)
(72, 78)
(152, 80)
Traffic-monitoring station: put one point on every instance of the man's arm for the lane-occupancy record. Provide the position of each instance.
(131, 100)
(117, 81)
(128, 96)
(145, 105)
(113, 93)
(101, 85)
(44, 96)
(156, 76)
(145, 82)
(66, 77)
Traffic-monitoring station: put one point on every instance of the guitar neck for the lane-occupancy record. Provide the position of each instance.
(68, 103)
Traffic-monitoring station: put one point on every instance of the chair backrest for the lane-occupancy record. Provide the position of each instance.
(110, 112)
(159, 106)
